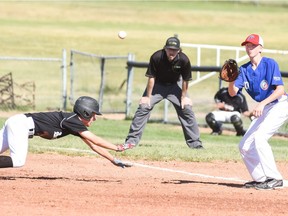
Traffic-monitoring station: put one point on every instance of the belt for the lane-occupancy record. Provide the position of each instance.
(31, 127)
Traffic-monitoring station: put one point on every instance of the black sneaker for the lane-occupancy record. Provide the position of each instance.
(252, 184)
(270, 184)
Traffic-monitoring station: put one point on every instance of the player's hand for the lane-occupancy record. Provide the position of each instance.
(125, 146)
(185, 101)
(120, 163)
(258, 110)
(120, 148)
(249, 114)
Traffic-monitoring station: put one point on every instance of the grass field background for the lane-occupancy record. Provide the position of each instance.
(43, 29)
(160, 142)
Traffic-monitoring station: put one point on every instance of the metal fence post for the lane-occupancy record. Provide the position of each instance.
(131, 57)
(64, 80)
(71, 97)
(102, 84)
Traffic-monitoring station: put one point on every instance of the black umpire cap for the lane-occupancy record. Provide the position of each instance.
(172, 43)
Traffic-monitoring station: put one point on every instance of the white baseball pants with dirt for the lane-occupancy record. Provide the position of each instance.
(254, 147)
(186, 116)
(14, 136)
(225, 116)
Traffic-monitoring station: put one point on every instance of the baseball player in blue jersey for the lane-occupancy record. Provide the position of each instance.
(262, 80)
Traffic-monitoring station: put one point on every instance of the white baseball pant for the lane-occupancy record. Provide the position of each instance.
(225, 116)
(14, 136)
(254, 147)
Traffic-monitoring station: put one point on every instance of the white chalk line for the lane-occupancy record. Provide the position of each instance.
(285, 182)
(189, 173)
(66, 149)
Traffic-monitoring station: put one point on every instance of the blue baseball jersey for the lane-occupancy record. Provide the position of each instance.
(259, 83)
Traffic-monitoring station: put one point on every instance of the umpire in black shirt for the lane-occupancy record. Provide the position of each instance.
(168, 73)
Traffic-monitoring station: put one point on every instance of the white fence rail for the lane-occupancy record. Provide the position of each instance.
(239, 56)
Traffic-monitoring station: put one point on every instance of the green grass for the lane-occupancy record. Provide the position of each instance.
(160, 142)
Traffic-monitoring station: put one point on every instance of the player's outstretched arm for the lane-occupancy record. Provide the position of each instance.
(98, 141)
(101, 142)
(104, 153)
(99, 145)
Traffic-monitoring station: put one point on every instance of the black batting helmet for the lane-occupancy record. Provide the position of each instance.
(85, 107)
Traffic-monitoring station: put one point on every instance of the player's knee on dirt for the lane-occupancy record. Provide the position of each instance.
(212, 123)
(5, 161)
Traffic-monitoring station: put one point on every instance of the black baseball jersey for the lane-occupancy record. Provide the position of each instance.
(165, 71)
(53, 125)
(238, 102)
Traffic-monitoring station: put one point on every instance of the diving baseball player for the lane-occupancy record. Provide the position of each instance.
(53, 125)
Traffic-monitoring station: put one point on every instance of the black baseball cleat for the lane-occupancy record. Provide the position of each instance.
(251, 184)
(270, 184)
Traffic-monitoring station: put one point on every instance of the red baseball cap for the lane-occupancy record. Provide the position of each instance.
(254, 39)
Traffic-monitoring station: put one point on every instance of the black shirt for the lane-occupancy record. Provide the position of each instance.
(53, 125)
(169, 72)
(238, 102)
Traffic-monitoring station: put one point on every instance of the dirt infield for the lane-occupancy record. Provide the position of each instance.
(52, 184)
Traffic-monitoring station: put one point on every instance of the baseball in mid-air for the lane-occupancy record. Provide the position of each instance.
(122, 34)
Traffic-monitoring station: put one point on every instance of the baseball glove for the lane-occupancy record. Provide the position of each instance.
(125, 146)
(229, 71)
